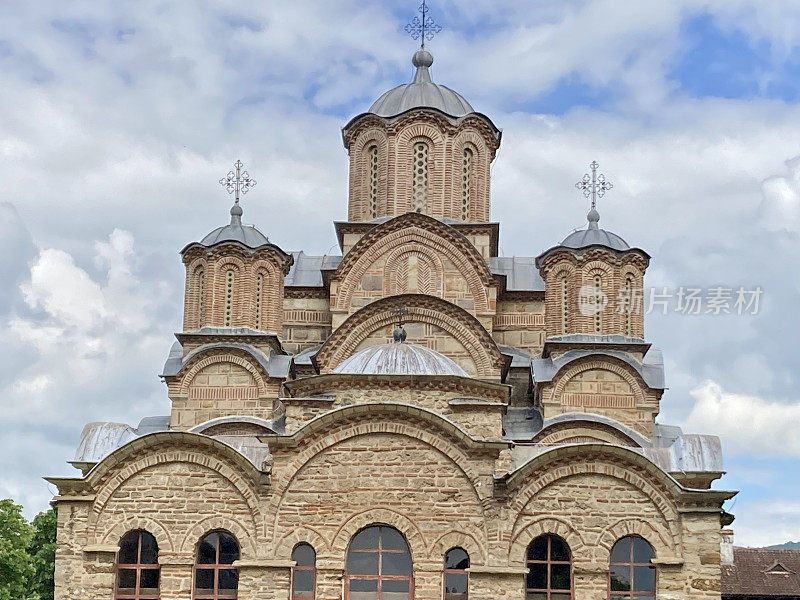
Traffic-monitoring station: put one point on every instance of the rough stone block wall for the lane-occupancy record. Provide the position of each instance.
(306, 323)
(520, 324)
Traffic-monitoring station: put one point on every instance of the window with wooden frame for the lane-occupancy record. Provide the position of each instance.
(138, 572)
(379, 566)
(214, 578)
(304, 572)
(631, 574)
(456, 578)
(549, 562)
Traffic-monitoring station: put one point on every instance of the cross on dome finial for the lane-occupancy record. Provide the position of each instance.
(425, 28)
(237, 182)
(594, 186)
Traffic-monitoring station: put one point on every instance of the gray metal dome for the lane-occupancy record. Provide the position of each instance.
(421, 93)
(399, 358)
(236, 232)
(593, 236)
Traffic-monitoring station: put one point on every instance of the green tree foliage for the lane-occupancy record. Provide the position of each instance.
(42, 552)
(16, 566)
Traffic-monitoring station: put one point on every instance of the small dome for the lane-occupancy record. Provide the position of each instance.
(421, 93)
(594, 236)
(236, 232)
(399, 358)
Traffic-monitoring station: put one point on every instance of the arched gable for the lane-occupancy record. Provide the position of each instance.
(455, 321)
(623, 370)
(574, 427)
(604, 460)
(412, 231)
(247, 359)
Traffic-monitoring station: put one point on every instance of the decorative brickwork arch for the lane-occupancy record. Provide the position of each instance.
(560, 527)
(380, 516)
(173, 447)
(655, 534)
(479, 205)
(205, 358)
(489, 361)
(359, 209)
(589, 431)
(222, 425)
(113, 532)
(430, 279)
(302, 534)
(244, 536)
(416, 230)
(460, 539)
(605, 460)
(608, 363)
(404, 141)
(268, 308)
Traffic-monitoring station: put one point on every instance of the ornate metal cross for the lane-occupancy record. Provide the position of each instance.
(238, 181)
(424, 28)
(594, 186)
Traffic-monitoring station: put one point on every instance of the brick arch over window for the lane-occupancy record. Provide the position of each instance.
(603, 460)
(360, 209)
(489, 361)
(406, 138)
(414, 228)
(244, 536)
(430, 271)
(268, 309)
(114, 532)
(542, 526)
(302, 534)
(458, 539)
(655, 534)
(380, 516)
(479, 196)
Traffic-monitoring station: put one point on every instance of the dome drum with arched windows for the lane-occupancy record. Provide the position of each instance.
(414, 418)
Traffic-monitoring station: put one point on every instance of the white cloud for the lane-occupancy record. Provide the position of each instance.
(767, 522)
(746, 424)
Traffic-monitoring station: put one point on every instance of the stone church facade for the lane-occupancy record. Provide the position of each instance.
(416, 418)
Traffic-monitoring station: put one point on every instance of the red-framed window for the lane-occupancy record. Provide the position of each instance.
(214, 578)
(304, 573)
(631, 574)
(138, 573)
(456, 579)
(379, 566)
(549, 562)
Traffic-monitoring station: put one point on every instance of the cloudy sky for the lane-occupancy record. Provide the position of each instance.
(118, 118)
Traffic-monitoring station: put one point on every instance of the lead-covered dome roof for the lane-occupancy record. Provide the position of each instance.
(399, 358)
(593, 235)
(422, 92)
(236, 232)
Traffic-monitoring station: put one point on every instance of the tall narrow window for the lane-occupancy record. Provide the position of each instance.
(632, 575)
(229, 277)
(598, 304)
(456, 580)
(137, 567)
(213, 576)
(201, 297)
(379, 566)
(259, 303)
(549, 569)
(628, 306)
(304, 573)
(466, 184)
(372, 155)
(420, 178)
(564, 304)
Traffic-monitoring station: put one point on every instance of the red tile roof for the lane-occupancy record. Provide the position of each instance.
(762, 572)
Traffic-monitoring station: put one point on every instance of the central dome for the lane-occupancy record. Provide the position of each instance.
(421, 93)
(399, 358)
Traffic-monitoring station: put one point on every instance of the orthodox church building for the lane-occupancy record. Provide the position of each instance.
(413, 418)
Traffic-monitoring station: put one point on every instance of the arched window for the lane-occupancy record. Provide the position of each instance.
(201, 296)
(466, 183)
(304, 573)
(549, 569)
(598, 304)
(372, 157)
(259, 303)
(420, 178)
(456, 580)
(628, 305)
(137, 567)
(564, 303)
(379, 566)
(229, 280)
(213, 576)
(631, 574)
